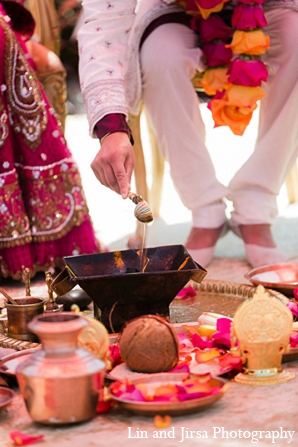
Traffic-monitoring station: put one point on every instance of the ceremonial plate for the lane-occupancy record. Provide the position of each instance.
(10, 367)
(282, 277)
(170, 408)
(212, 296)
(9, 361)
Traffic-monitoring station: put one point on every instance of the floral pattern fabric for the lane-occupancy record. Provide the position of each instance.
(43, 210)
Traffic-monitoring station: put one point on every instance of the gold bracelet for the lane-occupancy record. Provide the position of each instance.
(123, 131)
(104, 137)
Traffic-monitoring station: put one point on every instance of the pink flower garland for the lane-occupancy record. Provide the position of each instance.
(234, 73)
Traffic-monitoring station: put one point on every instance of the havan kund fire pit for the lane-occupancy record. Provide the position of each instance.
(118, 287)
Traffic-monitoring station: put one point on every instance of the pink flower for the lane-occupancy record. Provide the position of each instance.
(294, 339)
(20, 438)
(249, 73)
(217, 54)
(208, 4)
(249, 2)
(229, 362)
(247, 17)
(201, 343)
(187, 292)
(293, 307)
(222, 338)
(211, 29)
(190, 5)
(114, 354)
(182, 368)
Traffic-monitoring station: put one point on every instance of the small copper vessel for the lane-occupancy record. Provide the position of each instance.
(60, 383)
(20, 314)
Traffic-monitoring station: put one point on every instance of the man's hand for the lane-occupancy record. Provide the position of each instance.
(113, 164)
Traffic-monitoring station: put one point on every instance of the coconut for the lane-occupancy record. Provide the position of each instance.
(149, 344)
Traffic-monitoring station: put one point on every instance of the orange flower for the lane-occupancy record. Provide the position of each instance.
(206, 12)
(162, 422)
(243, 96)
(215, 79)
(253, 42)
(235, 106)
(226, 114)
(206, 355)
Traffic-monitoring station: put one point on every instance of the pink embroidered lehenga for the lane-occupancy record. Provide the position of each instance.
(43, 210)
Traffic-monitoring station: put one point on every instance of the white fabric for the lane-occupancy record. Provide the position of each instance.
(111, 82)
(102, 50)
(257, 183)
(109, 54)
(173, 109)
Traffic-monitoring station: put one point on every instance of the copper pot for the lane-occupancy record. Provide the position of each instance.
(61, 382)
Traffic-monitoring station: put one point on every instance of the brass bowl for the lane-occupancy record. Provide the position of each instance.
(282, 277)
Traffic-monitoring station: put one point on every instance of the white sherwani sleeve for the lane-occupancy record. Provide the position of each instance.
(103, 42)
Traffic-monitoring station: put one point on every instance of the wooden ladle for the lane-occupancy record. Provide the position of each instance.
(8, 297)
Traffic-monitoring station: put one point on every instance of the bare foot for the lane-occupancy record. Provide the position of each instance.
(259, 234)
(203, 237)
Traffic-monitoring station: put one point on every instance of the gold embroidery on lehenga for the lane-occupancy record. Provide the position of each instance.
(4, 129)
(53, 219)
(14, 227)
(26, 107)
(47, 219)
(37, 203)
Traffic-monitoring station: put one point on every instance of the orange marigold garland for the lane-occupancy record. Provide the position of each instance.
(234, 73)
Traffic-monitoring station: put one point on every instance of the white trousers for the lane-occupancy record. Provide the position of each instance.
(169, 59)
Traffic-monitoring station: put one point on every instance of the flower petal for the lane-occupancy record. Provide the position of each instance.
(162, 422)
(186, 292)
(207, 355)
(247, 72)
(224, 325)
(253, 42)
(20, 438)
(246, 17)
(293, 307)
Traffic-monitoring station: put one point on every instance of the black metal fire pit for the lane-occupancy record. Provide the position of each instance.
(116, 284)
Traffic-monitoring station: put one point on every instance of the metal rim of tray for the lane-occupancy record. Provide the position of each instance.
(240, 290)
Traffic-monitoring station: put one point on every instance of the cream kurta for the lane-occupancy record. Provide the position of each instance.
(113, 80)
(109, 41)
(109, 54)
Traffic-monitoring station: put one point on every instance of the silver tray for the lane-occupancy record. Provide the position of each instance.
(171, 408)
(282, 277)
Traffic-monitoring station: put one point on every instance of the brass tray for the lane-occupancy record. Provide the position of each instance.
(214, 296)
(219, 297)
(282, 277)
(170, 408)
